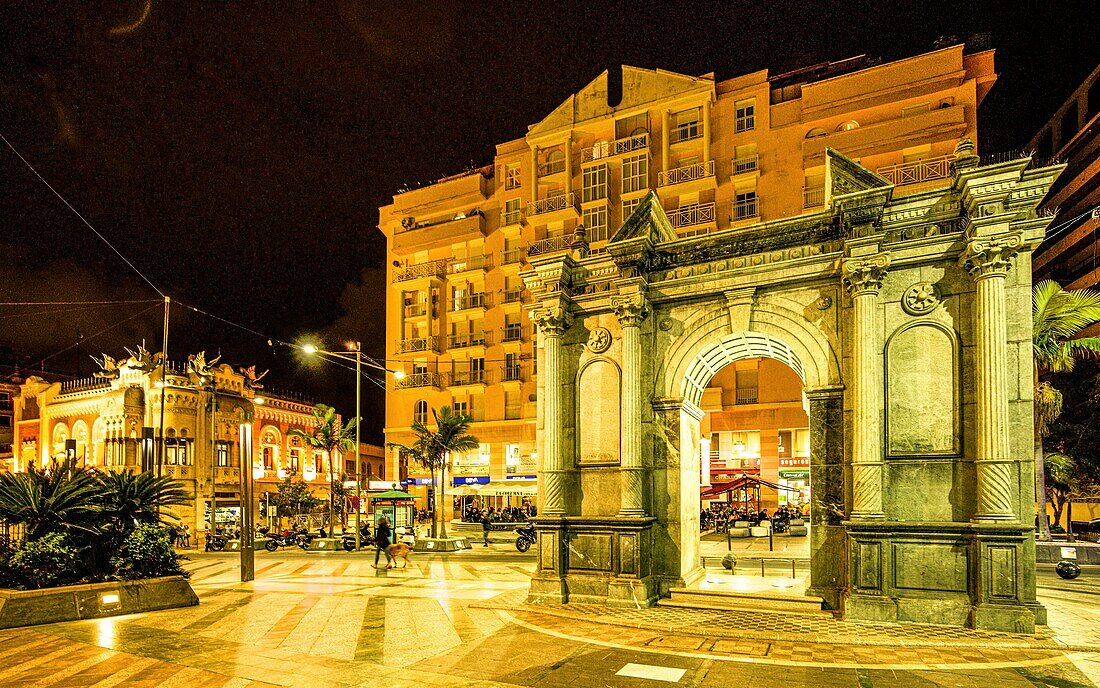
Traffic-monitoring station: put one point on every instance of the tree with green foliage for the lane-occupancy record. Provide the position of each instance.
(58, 498)
(433, 449)
(332, 436)
(292, 497)
(1058, 316)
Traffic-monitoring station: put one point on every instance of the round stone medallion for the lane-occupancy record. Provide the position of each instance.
(600, 340)
(920, 299)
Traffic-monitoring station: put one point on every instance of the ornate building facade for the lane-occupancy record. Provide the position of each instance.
(112, 422)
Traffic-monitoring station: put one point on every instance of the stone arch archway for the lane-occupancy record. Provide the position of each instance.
(730, 349)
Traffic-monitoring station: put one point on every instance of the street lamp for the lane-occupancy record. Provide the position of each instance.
(354, 353)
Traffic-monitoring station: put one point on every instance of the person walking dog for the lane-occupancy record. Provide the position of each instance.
(382, 541)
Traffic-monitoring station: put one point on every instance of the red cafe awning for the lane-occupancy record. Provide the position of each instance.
(743, 481)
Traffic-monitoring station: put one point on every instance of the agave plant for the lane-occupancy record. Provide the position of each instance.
(60, 498)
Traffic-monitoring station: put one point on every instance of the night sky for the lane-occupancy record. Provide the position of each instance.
(237, 153)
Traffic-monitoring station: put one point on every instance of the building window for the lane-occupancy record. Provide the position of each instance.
(687, 126)
(511, 176)
(629, 206)
(555, 162)
(295, 460)
(744, 115)
(635, 173)
(631, 126)
(511, 405)
(420, 412)
(748, 386)
(512, 213)
(461, 408)
(816, 132)
(595, 183)
(511, 458)
(223, 453)
(512, 369)
(847, 126)
(746, 205)
(595, 221)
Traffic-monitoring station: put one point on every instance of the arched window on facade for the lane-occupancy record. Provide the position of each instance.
(420, 412)
(847, 126)
(57, 444)
(97, 449)
(816, 132)
(269, 448)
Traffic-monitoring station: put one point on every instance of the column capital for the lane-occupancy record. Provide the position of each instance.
(630, 310)
(552, 319)
(991, 256)
(863, 274)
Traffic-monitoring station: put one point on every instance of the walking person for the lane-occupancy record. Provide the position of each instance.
(186, 536)
(382, 541)
(486, 524)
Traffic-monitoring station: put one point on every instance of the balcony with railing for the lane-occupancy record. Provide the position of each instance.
(417, 345)
(689, 178)
(813, 196)
(747, 395)
(414, 235)
(470, 301)
(514, 255)
(552, 208)
(746, 164)
(460, 378)
(918, 171)
(432, 268)
(686, 131)
(607, 149)
(693, 216)
(416, 380)
(416, 310)
(550, 245)
(84, 384)
(467, 340)
(514, 332)
(513, 295)
(514, 373)
(470, 264)
(512, 217)
(745, 209)
(552, 167)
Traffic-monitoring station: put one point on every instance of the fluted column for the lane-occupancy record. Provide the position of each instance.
(863, 277)
(988, 262)
(631, 311)
(552, 323)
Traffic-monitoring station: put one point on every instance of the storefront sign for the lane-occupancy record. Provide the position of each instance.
(521, 477)
(471, 480)
(793, 474)
(416, 481)
(383, 485)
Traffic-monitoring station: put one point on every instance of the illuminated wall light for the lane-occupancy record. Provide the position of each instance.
(109, 598)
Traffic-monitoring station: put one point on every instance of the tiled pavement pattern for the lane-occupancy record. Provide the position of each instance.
(321, 620)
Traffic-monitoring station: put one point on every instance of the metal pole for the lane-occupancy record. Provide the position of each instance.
(358, 422)
(213, 454)
(162, 449)
(248, 549)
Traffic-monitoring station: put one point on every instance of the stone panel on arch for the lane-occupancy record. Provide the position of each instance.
(922, 391)
(599, 407)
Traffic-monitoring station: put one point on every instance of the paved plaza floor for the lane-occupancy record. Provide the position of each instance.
(459, 620)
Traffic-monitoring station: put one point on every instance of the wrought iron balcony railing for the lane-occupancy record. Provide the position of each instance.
(511, 217)
(461, 303)
(462, 341)
(513, 332)
(552, 204)
(416, 310)
(418, 344)
(514, 373)
(747, 395)
(686, 131)
(690, 215)
(606, 149)
(747, 163)
(918, 171)
(414, 380)
(744, 210)
(513, 295)
(480, 262)
(514, 255)
(813, 196)
(550, 245)
(553, 167)
(467, 377)
(432, 268)
(687, 173)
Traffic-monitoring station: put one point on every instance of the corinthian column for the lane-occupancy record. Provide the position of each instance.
(988, 262)
(631, 311)
(552, 323)
(863, 277)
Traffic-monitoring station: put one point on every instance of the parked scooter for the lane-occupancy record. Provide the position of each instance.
(287, 538)
(215, 542)
(365, 538)
(526, 537)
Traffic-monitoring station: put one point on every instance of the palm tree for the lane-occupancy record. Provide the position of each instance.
(129, 499)
(432, 449)
(60, 498)
(330, 435)
(1057, 316)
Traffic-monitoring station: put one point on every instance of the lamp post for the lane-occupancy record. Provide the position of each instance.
(355, 351)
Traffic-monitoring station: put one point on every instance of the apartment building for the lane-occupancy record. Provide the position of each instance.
(720, 155)
(1070, 254)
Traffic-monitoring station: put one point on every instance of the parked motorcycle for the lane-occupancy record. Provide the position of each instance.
(216, 543)
(526, 538)
(365, 538)
(287, 538)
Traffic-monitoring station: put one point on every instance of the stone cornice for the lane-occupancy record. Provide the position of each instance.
(991, 256)
(864, 274)
(553, 318)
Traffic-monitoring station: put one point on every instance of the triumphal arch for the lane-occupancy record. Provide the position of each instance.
(908, 319)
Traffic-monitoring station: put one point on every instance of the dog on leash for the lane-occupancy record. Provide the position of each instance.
(399, 549)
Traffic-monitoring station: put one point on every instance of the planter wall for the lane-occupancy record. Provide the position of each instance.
(93, 600)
